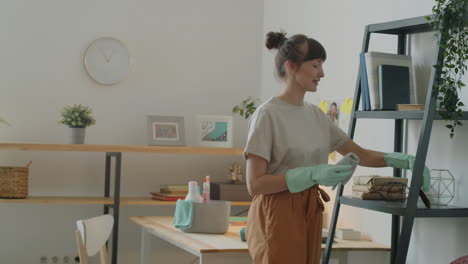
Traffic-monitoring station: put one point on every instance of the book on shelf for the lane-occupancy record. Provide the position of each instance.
(373, 180)
(386, 196)
(165, 191)
(410, 107)
(173, 188)
(364, 83)
(372, 61)
(167, 199)
(167, 194)
(392, 187)
(238, 220)
(394, 86)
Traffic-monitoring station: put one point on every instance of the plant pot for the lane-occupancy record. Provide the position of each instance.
(76, 135)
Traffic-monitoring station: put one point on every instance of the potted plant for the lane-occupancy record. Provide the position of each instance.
(246, 108)
(77, 118)
(450, 22)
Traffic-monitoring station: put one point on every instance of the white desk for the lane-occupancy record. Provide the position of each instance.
(225, 248)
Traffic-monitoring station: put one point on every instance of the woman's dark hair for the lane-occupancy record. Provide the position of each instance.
(298, 48)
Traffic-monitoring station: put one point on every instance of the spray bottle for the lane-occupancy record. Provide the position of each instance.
(206, 189)
(193, 194)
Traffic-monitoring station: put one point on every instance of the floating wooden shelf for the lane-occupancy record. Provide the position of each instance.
(60, 200)
(95, 200)
(119, 148)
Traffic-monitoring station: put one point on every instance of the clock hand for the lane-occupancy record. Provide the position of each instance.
(103, 54)
(110, 56)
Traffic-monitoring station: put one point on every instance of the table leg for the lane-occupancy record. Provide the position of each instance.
(145, 246)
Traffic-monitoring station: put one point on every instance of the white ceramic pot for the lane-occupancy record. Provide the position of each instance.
(76, 135)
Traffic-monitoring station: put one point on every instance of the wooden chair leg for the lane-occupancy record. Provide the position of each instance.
(103, 255)
(81, 248)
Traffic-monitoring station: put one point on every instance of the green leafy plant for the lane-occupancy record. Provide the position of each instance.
(246, 108)
(77, 116)
(450, 20)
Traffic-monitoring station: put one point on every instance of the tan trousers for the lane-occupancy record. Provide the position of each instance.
(286, 227)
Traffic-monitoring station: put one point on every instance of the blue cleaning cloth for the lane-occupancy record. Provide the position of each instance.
(242, 234)
(349, 159)
(183, 215)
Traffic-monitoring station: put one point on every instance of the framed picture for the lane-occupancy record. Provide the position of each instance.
(214, 131)
(166, 130)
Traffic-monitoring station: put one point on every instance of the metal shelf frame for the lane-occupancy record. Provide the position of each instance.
(406, 115)
(408, 210)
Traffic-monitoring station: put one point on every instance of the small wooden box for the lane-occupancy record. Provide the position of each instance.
(229, 191)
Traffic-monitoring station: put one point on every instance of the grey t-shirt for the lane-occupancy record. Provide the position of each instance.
(290, 136)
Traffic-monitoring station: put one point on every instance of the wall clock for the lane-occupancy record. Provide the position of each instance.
(107, 60)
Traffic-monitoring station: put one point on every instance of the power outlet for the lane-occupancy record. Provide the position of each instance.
(44, 260)
(66, 260)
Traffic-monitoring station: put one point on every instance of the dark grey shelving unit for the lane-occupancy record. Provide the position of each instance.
(411, 208)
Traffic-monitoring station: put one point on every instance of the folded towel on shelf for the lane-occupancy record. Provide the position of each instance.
(373, 180)
(388, 196)
(183, 215)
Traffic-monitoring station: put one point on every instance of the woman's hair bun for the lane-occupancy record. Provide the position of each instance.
(274, 40)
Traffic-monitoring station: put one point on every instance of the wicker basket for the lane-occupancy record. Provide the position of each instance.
(14, 182)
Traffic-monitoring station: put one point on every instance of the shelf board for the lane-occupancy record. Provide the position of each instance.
(404, 26)
(149, 201)
(399, 208)
(118, 148)
(95, 200)
(410, 115)
(59, 200)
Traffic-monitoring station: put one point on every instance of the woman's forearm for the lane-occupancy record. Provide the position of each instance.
(372, 158)
(266, 184)
(367, 157)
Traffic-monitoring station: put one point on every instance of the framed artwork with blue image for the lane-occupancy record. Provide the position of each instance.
(214, 131)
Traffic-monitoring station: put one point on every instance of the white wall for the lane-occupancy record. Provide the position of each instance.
(339, 26)
(191, 57)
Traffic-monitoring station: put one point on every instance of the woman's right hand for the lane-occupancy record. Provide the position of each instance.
(302, 178)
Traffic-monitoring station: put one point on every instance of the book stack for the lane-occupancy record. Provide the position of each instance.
(386, 80)
(376, 187)
(170, 192)
(238, 220)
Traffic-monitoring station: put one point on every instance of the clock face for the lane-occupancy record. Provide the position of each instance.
(107, 60)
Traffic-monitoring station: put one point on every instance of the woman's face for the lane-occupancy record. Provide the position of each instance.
(308, 75)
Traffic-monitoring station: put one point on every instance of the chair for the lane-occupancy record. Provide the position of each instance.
(92, 235)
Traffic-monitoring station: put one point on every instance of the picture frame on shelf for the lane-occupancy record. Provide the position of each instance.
(214, 131)
(165, 130)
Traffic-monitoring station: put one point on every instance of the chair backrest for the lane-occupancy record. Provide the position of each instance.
(92, 235)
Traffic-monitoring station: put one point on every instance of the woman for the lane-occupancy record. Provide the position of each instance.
(287, 149)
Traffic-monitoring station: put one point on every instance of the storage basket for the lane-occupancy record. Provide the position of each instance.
(14, 181)
(211, 217)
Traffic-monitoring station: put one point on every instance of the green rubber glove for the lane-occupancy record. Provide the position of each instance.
(405, 161)
(302, 178)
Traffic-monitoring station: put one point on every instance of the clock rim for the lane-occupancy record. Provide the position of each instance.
(113, 39)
